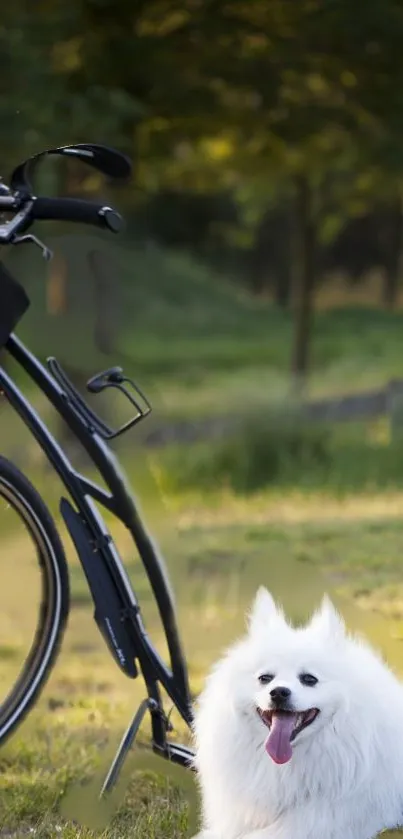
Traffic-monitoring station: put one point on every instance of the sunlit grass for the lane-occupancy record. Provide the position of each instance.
(218, 550)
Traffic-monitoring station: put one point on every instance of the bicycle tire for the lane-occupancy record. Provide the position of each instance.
(20, 494)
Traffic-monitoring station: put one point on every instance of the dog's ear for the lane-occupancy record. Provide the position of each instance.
(328, 621)
(264, 611)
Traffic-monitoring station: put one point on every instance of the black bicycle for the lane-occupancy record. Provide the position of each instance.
(116, 609)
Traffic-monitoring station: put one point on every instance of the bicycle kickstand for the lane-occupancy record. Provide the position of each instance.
(125, 745)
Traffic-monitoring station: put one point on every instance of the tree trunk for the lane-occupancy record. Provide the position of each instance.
(304, 279)
(56, 288)
(394, 235)
(257, 282)
(104, 270)
(283, 281)
(57, 291)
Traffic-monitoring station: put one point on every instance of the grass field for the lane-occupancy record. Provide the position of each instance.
(201, 347)
(218, 551)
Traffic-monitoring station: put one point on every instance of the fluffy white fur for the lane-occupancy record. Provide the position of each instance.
(345, 777)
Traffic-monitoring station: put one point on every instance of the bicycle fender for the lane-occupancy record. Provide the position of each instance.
(109, 612)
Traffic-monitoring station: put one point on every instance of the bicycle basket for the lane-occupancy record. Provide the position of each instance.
(13, 303)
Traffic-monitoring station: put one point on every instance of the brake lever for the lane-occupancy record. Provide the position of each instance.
(29, 237)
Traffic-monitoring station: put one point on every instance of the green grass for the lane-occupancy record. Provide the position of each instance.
(282, 449)
(262, 508)
(219, 548)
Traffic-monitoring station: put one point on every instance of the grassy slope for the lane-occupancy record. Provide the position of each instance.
(200, 345)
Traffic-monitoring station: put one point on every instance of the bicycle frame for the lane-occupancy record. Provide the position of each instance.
(117, 611)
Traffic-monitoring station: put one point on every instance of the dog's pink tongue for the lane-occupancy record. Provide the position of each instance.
(278, 744)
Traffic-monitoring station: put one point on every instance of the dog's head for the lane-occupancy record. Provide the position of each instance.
(294, 681)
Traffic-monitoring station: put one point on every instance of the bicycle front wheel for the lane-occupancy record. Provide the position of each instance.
(34, 596)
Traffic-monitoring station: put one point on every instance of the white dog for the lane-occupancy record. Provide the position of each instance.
(299, 734)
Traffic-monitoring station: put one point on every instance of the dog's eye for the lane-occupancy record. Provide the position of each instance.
(265, 678)
(308, 680)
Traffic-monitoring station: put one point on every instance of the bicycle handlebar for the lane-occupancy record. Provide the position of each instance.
(78, 210)
(28, 208)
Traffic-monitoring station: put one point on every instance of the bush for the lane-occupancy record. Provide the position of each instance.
(284, 449)
(281, 447)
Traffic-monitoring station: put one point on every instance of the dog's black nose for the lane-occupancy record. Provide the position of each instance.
(280, 695)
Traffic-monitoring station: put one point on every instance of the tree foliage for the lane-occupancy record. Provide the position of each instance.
(267, 99)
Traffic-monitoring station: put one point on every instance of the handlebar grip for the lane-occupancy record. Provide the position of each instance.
(76, 210)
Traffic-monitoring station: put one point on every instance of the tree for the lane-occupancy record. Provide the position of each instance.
(265, 96)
